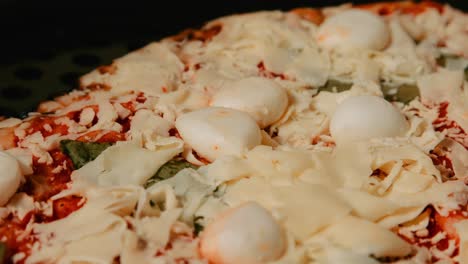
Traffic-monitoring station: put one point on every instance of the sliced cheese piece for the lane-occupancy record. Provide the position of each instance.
(364, 237)
(10, 122)
(297, 204)
(154, 69)
(337, 255)
(368, 206)
(447, 86)
(458, 155)
(126, 163)
(79, 237)
(147, 123)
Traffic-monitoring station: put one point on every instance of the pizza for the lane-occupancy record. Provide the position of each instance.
(331, 135)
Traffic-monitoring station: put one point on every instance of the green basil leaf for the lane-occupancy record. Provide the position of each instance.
(82, 152)
(389, 259)
(466, 73)
(168, 170)
(335, 86)
(443, 59)
(404, 93)
(197, 226)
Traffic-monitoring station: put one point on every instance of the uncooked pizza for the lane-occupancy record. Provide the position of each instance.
(332, 135)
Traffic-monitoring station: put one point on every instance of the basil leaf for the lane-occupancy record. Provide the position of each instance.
(404, 93)
(168, 170)
(197, 227)
(388, 259)
(335, 86)
(82, 152)
(466, 73)
(443, 59)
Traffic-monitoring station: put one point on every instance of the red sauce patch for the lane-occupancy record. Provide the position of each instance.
(50, 179)
(11, 228)
(405, 7)
(310, 14)
(269, 74)
(47, 180)
(47, 126)
(65, 206)
(102, 136)
(437, 224)
(443, 123)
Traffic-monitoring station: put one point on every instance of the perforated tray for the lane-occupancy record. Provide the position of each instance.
(46, 46)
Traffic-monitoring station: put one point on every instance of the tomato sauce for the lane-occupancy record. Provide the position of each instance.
(11, 228)
(50, 179)
(102, 136)
(405, 7)
(47, 126)
(439, 223)
(269, 74)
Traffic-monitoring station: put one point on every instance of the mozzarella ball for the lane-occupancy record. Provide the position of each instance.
(265, 100)
(352, 29)
(246, 234)
(10, 177)
(366, 117)
(216, 131)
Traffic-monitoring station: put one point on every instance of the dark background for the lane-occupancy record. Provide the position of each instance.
(45, 45)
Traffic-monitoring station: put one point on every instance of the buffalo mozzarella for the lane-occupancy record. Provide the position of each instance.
(10, 177)
(365, 117)
(246, 234)
(352, 29)
(263, 99)
(218, 131)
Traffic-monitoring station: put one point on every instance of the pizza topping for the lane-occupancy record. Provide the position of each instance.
(353, 29)
(365, 117)
(247, 233)
(151, 70)
(336, 86)
(278, 42)
(10, 177)
(462, 228)
(168, 170)
(263, 99)
(311, 14)
(447, 89)
(252, 99)
(452, 156)
(374, 240)
(24, 158)
(404, 93)
(146, 123)
(82, 152)
(225, 132)
(128, 162)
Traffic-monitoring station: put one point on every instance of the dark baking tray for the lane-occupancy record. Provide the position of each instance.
(45, 46)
